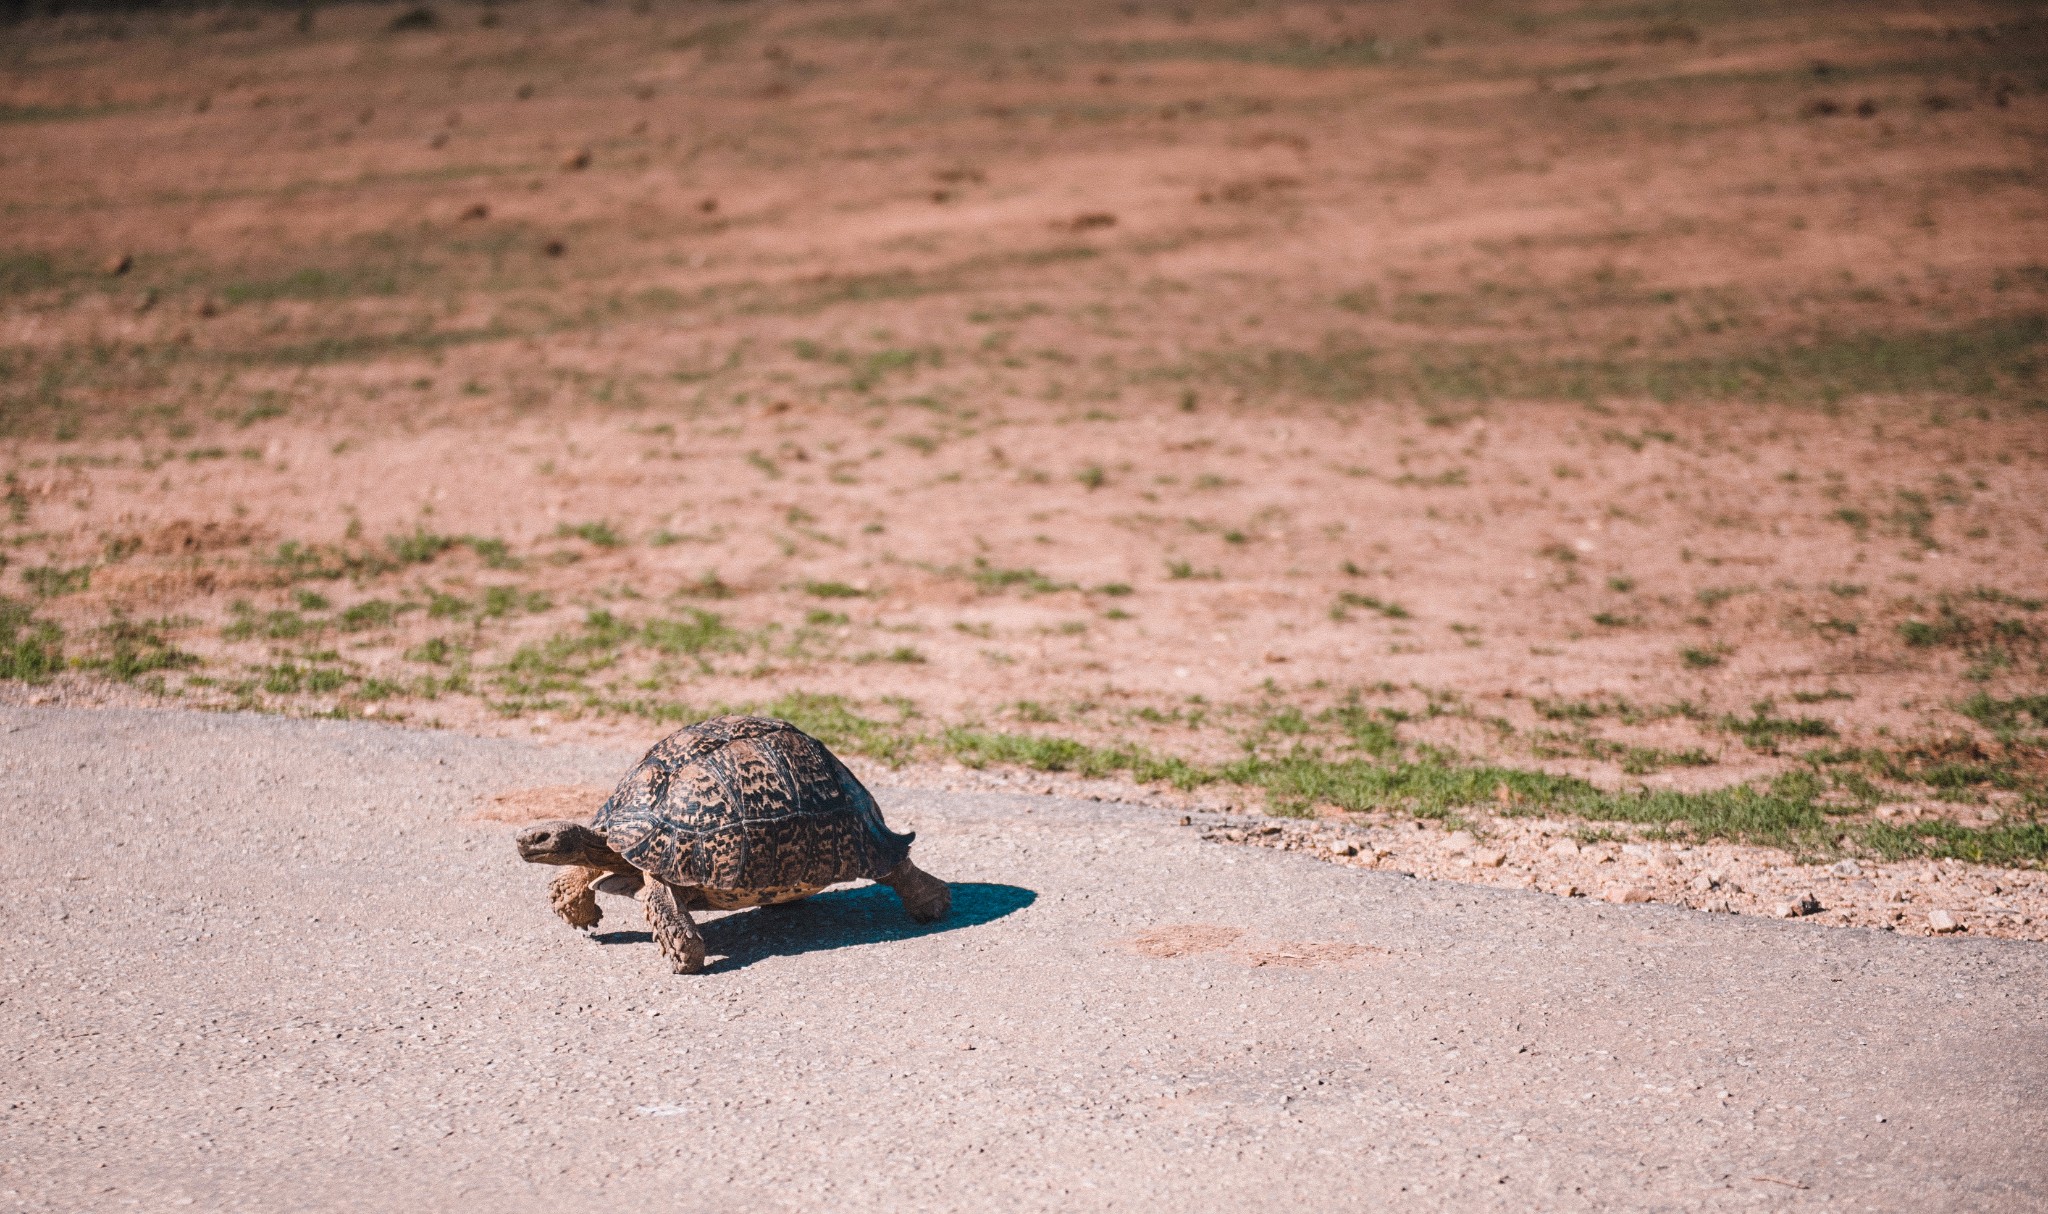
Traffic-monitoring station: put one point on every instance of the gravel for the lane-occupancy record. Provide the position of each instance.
(259, 964)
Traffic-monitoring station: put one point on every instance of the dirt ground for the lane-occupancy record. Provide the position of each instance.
(1655, 402)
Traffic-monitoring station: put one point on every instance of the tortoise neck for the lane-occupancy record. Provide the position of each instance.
(594, 852)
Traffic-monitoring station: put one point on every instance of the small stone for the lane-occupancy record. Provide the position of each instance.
(1847, 868)
(1564, 847)
(1716, 906)
(1489, 859)
(1344, 849)
(579, 159)
(1802, 905)
(1942, 921)
(120, 264)
(1707, 881)
(1624, 894)
(1460, 839)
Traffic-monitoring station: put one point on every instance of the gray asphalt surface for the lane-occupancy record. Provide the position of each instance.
(257, 964)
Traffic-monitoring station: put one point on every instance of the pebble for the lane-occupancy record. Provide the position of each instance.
(1847, 868)
(1624, 894)
(1564, 847)
(1804, 904)
(1942, 921)
(1343, 849)
(1489, 859)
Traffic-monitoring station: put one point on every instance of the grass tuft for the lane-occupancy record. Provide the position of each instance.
(31, 650)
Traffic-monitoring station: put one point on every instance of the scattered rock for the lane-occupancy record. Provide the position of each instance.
(1624, 894)
(120, 264)
(1942, 922)
(1459, 840)
(1344, 848)
(1717, 906)
(1847, 868)
(477, 210)
(1488, 859)
(1564, 847)
(1798, 907)
(578, 159)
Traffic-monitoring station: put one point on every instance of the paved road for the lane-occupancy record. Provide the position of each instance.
(250, 963)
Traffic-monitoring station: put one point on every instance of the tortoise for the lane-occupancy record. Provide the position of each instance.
(730, 812)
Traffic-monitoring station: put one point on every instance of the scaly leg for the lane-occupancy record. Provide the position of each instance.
(674, 930)
(570, 894)
(924, 896)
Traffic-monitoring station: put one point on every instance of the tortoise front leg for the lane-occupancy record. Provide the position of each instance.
(573, 899)
(674, 930)
(924, 896)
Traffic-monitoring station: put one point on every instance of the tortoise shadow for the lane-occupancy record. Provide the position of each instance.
(839, 918)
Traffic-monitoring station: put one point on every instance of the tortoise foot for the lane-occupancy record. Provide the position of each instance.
(570, 894)
(674, 931)
(925, 897)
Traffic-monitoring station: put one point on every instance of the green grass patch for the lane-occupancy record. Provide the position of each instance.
(833, 590)
(1391, 610)
(313, 284)
(2006, 717)
(128, 649)
(31, 650)
(1764, 729)
(1989, 359)
(693, 632)
(990, 579)
(50, 581)
(598, 534)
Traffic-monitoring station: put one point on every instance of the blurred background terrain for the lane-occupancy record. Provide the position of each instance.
(1629, 414)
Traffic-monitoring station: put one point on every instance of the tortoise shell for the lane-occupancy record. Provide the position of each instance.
(748, 805)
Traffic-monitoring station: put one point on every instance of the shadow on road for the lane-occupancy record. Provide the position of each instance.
(837, 918)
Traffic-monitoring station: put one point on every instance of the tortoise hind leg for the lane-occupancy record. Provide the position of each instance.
(674, 930)
(924, 896)
(571, 896)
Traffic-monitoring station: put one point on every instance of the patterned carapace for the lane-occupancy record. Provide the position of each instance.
(748, 803)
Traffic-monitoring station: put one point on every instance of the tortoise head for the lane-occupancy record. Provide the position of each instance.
(562, 842)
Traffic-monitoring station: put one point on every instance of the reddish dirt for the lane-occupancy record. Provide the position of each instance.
(1124, 374)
